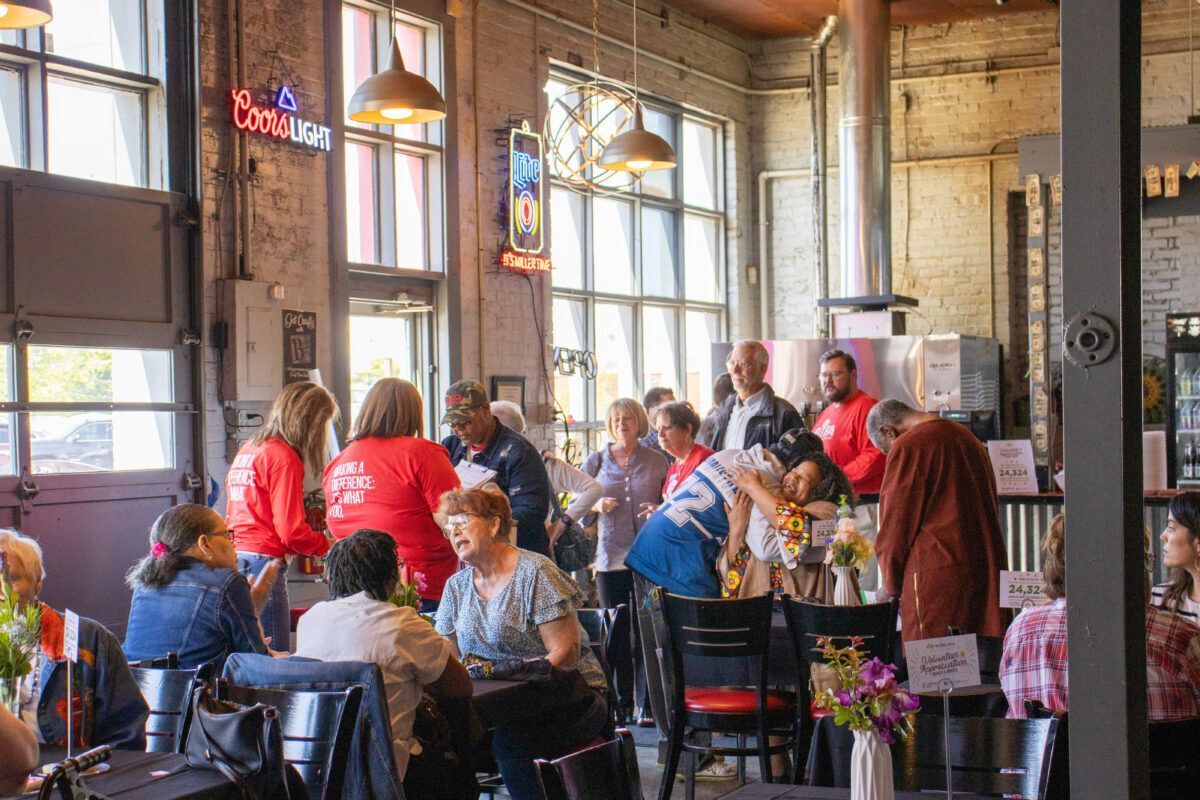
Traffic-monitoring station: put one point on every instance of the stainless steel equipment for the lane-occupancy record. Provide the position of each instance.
(935, 372)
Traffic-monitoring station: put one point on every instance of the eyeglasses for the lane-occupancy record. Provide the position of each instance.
(459, 521)
(228, 534)
(830, 375)
(733, 364)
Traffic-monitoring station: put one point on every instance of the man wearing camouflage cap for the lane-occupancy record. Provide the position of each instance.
(481, 438)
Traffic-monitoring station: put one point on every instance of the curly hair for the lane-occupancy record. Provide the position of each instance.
(486, 500)
(365, 561)
(833, 484)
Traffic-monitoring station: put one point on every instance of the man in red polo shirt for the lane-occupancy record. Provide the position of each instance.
(843, 423)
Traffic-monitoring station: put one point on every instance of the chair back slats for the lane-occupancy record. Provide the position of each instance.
(718, 628)
(605, 771)
(874, 623)
(168, 693)
(317, 728)
(1008, 757)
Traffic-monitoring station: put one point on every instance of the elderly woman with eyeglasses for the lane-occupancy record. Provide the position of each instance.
(507, 606)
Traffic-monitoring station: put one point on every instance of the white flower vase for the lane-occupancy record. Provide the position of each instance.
(843, 589)
(871, 768)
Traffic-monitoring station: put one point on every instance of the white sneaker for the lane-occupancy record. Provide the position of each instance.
(718, 770)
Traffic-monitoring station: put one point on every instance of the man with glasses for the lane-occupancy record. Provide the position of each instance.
(480, 438)
(842, 425)
(752, 414)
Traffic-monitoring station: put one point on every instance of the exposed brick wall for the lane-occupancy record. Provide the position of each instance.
(940, 215)
(290, 198)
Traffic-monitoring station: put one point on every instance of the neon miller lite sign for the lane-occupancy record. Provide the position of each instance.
(279, 122)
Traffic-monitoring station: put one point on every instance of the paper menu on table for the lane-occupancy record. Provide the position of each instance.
(1021, 589)
(934, 664)
(472, 474)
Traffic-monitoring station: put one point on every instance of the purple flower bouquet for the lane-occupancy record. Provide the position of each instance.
(868, 697)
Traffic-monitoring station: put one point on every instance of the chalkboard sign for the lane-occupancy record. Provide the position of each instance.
(299, 344)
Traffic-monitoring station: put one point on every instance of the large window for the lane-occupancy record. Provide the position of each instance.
(83, 96)
(394, 173)
(638, 276)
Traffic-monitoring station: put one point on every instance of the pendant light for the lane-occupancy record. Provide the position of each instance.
(637, 149)
(25, 13)
(396, 96)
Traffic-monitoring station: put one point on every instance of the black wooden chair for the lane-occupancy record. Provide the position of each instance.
(606, 771)
(725, 629)
(1174, 756)
(168, 694)
(992, 757)
(169, 661)
(605, 628)
(808, 620)
(317, 730)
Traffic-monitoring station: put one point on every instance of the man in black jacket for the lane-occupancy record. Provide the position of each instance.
(481, 438)
(752, 414)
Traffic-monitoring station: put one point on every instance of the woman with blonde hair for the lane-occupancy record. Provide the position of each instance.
(390, 479)
(265, 493)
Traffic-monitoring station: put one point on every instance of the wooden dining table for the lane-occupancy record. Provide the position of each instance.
(137, 775)
(780, 791)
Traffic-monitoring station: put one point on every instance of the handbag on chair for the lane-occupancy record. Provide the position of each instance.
(244, 743)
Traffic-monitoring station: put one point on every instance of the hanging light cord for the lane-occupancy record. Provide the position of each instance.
(635, 59)
(596, 39)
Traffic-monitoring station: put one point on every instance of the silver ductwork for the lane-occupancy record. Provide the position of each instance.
(864, 154)
(820, 159)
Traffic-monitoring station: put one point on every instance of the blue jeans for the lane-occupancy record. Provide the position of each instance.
(276, 614)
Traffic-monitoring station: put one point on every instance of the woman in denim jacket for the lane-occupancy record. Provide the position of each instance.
(107, 704)
(189, 598)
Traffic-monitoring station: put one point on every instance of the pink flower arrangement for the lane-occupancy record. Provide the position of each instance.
(408, 591)
(868, 697)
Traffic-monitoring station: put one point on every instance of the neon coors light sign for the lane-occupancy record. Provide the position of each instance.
(279, 122)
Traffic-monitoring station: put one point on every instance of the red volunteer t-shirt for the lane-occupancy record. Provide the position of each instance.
(265, 505)
(843, 428)
(679, 470)
(394, 484)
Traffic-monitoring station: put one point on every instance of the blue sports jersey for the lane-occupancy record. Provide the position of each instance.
(678, 546)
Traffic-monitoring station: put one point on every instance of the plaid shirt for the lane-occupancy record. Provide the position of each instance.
(1034, 664)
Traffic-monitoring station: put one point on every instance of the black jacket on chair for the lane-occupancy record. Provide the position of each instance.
(777, 417)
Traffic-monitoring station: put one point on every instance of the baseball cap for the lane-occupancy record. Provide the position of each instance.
(463, 399)
(794, 445)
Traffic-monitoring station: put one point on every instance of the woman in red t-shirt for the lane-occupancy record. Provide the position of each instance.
(391, 479)
(677, 424)
(264, 487)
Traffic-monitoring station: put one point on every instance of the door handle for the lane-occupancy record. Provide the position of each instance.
(27, 490)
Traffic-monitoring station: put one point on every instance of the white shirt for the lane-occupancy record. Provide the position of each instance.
(583, 488)
(410, 653)
(743, 410)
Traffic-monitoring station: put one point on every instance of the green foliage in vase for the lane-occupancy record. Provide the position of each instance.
(20, 628)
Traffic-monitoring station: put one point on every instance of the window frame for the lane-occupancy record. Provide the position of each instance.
(431, 151)
(591, 428)
(35, 66)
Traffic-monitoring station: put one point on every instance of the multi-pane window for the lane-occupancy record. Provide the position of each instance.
(394, 173)
(638, 275)
(97, 73)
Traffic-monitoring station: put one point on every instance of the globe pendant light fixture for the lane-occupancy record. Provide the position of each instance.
(25, 13)
(637, 150)
(396, 96)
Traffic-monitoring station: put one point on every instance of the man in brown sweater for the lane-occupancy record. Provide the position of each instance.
(939, 544)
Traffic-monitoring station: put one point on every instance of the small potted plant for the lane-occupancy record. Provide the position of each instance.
(870, 702)
(847, 552)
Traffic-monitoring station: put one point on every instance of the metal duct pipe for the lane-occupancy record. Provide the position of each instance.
(865, 159)
(820, 157)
